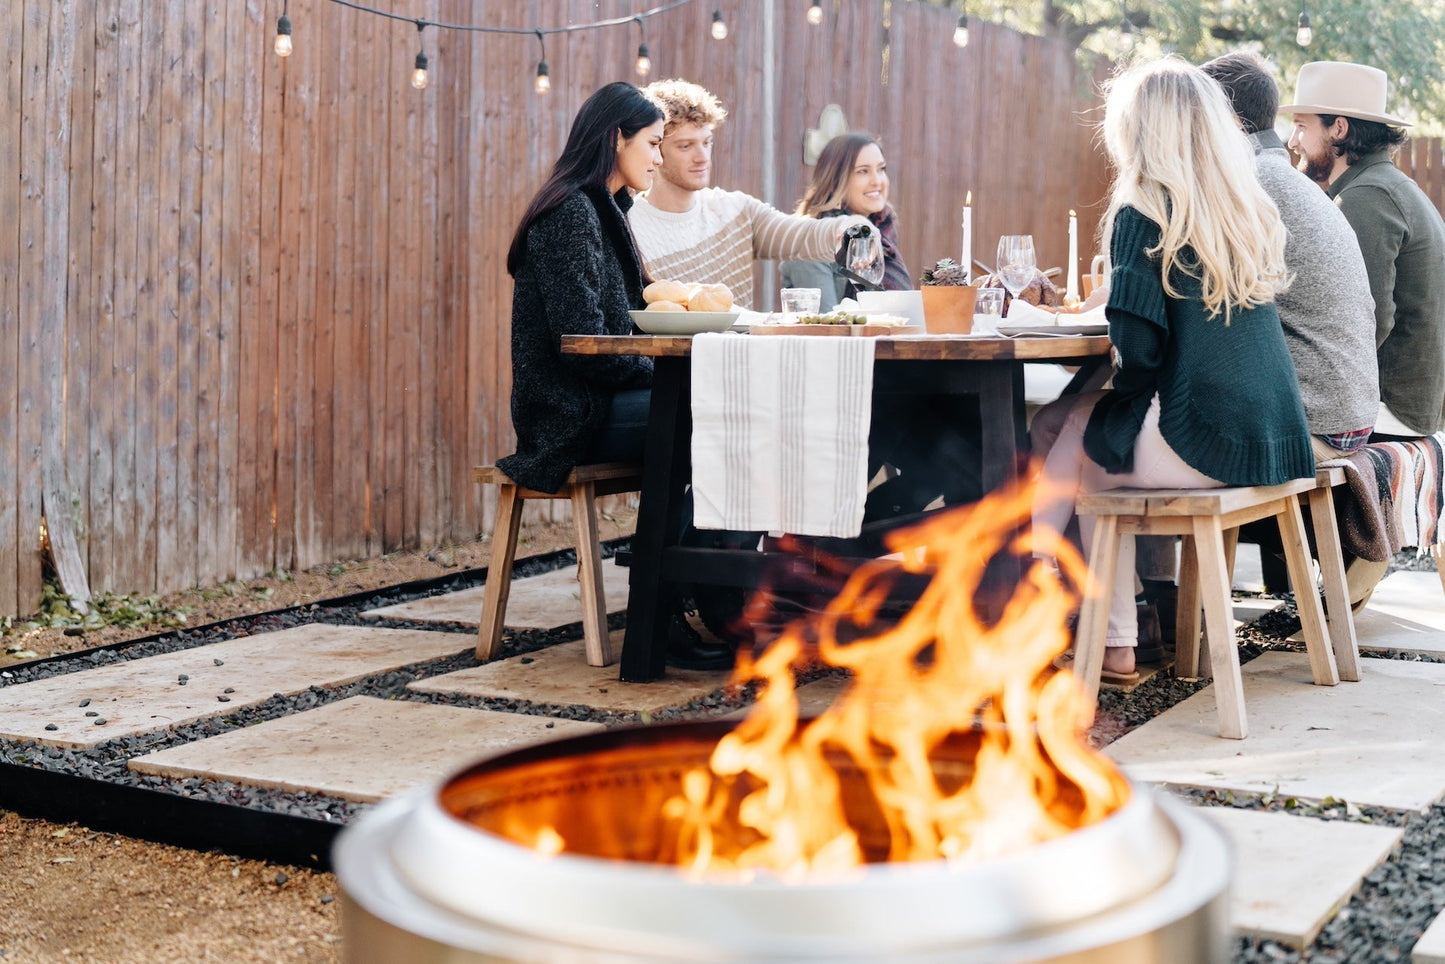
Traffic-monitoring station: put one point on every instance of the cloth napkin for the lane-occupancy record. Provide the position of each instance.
(780, 432)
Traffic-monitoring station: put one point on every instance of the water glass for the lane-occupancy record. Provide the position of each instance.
(987, 311)
(800, 301)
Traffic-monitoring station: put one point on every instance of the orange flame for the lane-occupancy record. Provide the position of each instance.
(773, 796)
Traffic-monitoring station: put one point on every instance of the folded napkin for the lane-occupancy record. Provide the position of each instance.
(780, 433)
(1020, 312)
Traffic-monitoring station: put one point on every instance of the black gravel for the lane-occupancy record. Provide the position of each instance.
(1396, 902)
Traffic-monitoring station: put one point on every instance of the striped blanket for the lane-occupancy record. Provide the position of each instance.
(1393, 499)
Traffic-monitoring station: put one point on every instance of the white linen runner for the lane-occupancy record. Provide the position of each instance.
(780, 432)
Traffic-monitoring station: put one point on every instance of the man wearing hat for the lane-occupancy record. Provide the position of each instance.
(1345, 141)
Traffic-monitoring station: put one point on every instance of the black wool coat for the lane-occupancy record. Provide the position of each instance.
(580, 277)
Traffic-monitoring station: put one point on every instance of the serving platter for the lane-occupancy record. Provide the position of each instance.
(1062, 328)
(855, 331)
(683, 322)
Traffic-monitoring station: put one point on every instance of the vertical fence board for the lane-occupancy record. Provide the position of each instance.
(80, 315)
(12, 561)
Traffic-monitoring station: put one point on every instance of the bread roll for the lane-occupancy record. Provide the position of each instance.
(674, 291)
(711, 298)
(666, 306)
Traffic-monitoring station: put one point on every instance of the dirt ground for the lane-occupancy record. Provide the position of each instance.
(70, 894)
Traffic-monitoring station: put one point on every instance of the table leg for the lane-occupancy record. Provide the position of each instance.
(665, 469)
(1003, 436)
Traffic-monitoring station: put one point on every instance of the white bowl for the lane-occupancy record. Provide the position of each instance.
(683, 322)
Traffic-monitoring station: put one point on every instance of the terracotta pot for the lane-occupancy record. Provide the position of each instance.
(948, 309)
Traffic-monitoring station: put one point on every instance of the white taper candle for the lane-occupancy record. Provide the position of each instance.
(967, 257)
(1071, 291)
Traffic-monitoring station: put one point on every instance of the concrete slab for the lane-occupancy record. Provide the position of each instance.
(1430, 948)
(1406, 612)
(1248, 570)
(1380, 741)
(536, 602)
(360, 748)
(1293, 873)
(147, 694)
(560, 674)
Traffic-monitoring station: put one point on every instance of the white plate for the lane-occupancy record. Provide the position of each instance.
(1063, 328)
(683, 322)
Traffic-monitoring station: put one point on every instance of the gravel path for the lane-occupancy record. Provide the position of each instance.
(1381, 923)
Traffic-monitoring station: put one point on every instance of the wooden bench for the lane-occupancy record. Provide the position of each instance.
(583, 486)
(1208, 520)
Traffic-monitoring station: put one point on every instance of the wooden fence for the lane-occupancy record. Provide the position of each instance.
(253, 311)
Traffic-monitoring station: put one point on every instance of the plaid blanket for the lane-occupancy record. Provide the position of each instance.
(1393, 497)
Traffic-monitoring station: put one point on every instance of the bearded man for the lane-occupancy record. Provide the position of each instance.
(1345, 141)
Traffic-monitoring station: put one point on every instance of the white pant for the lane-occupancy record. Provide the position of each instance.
(1068, 469)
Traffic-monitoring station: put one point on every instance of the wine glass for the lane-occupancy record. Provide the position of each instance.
(865, 258)
(1016, 264)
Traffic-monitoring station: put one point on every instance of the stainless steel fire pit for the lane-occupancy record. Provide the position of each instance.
(424, 882)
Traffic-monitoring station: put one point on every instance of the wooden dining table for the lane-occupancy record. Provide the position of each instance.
(990, 369)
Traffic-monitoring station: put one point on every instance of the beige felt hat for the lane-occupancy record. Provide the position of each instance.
(1332, 87)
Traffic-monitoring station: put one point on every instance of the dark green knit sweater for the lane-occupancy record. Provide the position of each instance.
(1229, 400)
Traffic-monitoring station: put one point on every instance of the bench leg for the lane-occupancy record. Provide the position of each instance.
(1094, 613)
(589, 575)
(499, 572)
(1219, 626)
(1187, 625)
(1307, 600)
(1338, 617)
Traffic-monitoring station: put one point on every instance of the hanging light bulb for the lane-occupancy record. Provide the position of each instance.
(1126, 37)
(543, 83)
(419, 78)
(283, 36)
(719, 26)
(960, 33)
(644, 62)
(1304, 34)
(815, 13)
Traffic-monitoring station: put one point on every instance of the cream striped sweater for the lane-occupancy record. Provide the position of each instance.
(717, 241)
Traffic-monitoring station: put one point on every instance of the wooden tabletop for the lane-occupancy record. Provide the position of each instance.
(1024, 348)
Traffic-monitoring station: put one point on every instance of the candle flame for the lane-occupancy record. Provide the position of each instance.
(968, 198)
(1072, 214)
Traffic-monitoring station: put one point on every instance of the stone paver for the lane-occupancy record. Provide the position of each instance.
(1379, 741)
(1292, 873)
(360, 748)
(560, 674)
(147, 694)
(536, 602)
(1430, 948)
(1406, 612)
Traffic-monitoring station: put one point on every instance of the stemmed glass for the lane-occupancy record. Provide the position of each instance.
(1016, 264)
(865, 258)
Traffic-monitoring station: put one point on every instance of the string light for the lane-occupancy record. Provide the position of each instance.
(544, 73)
(419, 78)
(1304, 34)
(543, 83)
(815, 12)
(643, 67)
(1126, 38)
(283, 34)
(960, 33)
(719, 25)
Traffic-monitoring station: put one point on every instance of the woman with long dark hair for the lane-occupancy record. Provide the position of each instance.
(576, 271)
(851, 177)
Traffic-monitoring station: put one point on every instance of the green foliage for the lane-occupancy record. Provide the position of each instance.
(106, 609)
(1406, 39)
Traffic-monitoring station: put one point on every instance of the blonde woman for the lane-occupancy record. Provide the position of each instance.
(1205, 393)
(851, 177)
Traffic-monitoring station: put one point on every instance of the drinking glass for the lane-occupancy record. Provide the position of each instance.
(1016, 264)
(800, 301)
(987, 310)
(865, 258)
